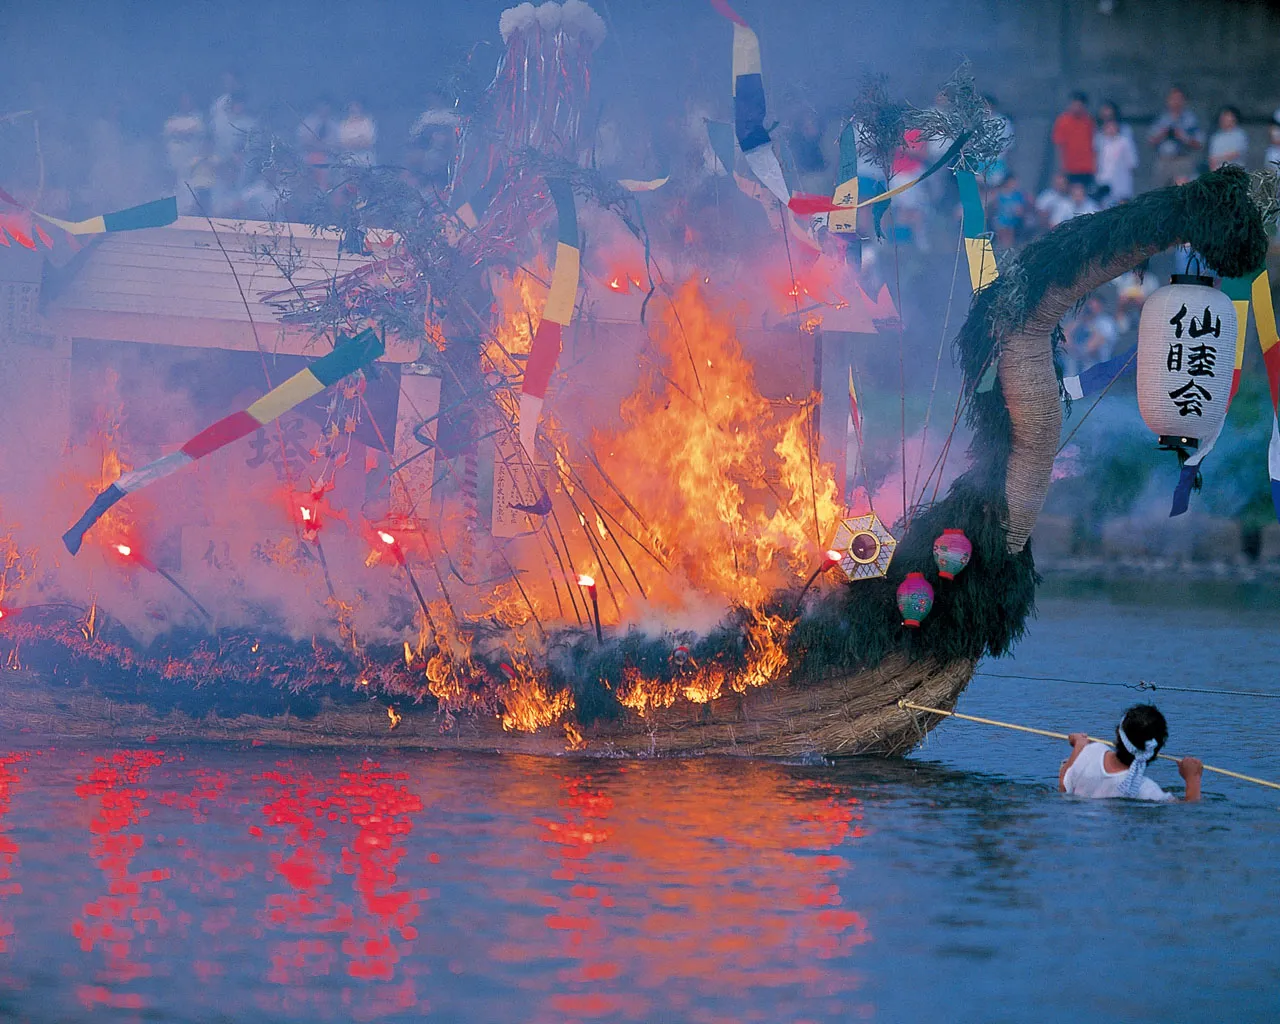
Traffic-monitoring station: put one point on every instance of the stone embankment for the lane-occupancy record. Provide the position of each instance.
(1190, 545)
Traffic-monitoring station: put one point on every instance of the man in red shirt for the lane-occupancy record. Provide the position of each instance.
(1073, 137)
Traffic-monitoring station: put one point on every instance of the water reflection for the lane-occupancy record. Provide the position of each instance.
(323, 888)
(115, 923)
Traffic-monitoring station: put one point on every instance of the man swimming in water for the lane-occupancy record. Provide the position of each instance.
(1095, 770)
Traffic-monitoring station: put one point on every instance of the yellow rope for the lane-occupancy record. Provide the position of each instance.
(1062, 736)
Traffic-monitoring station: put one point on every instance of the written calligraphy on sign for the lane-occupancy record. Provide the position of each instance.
(1182, 389)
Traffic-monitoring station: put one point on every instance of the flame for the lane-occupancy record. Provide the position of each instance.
(124, 550)
(644, 696)
(724, 486)
(586, 581)
(394, 716)
(306, 514)
(519, 300)
(529, 706)
(387, 538)
(574, 740)
(833, 556)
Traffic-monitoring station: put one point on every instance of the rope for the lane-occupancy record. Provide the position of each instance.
(1142, 684)
(937, 366)
(904, 704)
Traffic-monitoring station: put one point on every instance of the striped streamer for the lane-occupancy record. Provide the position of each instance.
(156, 214)
(805, 203)
(1099, 376)
(977, 242)
(1243, 291)
(1265, 318)
(347, 357)
(1238, 290)
(556, 315)
(845, 219)
(749, 106)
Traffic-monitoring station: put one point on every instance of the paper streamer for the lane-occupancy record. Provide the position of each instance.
(1243, 291)
(844, 219)
(347, 357)
(977, 242)
(156, 214)
(1264, 315)
(1099, 376)
(811, 204)
(557, 314)
(749, 108)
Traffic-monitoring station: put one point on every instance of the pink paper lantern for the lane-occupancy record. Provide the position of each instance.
(915, 599)
(952, 552)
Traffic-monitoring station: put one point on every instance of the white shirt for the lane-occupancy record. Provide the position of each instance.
(1117, 159)
(1089, 777)
(1233, 143)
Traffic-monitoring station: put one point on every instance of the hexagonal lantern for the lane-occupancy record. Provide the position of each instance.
(865, 547)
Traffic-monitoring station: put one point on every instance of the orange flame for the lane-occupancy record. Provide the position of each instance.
(724, 486)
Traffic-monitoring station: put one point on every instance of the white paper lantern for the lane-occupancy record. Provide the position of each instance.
(1186, 358)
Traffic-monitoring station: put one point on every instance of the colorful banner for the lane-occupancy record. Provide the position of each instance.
(1099, 376)
(1238, 289)
(977, 241)
(844, 220)
(544, 352)
(156, 214)
(821, 204)
(749, 107)
(1264, 316)
(1242, 291)
(348, 356)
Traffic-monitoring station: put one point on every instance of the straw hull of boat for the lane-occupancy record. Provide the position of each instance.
(835, 716)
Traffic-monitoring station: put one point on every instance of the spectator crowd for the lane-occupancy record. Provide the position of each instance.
(213, 159)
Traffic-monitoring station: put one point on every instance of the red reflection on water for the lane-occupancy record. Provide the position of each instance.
(371, 934)
(688, 891)
(8, 848)
(113, 922)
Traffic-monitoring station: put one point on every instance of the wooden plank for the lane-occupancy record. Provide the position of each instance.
(192, 332)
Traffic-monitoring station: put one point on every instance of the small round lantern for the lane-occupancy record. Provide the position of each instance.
(915, 599)
(952, 552)
(1186, 357)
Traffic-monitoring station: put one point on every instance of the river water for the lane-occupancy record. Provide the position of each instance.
(210, 884)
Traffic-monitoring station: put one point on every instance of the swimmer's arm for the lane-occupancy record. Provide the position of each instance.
(1078, 741)
(1191, 769)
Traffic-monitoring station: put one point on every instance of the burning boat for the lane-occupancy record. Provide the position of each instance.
(432, 470)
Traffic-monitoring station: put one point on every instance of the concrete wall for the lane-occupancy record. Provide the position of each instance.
(1032, 53)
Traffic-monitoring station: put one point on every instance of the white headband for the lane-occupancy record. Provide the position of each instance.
(1132, 782)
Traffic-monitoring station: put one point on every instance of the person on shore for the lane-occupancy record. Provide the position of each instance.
(1229, 144)
(1073, 136)
(1053, 204)
(1109, 110)
(1177, 139)
(1271, 158)
(1095, 770)
(1117, 160)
